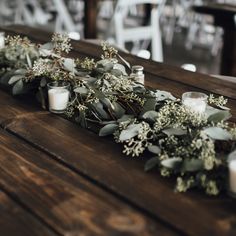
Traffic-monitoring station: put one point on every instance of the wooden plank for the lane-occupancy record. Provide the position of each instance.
(65, 201)
(101, 160)
(166, 72)
(15, 221)
(15, 107)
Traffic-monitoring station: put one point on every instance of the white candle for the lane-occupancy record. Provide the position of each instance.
(195, 101)
(195, 104)
(232, 176)
(2, 40)
(58, 99)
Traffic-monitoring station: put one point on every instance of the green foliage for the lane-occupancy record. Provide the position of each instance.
(183, 144)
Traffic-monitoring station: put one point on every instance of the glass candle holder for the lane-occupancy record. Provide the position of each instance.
(195, 101)
(232, 178)
(58, 96)
(2, 40)
(137, 73)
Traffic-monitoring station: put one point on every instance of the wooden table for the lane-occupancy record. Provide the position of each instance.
(59, 179)
(224, 16)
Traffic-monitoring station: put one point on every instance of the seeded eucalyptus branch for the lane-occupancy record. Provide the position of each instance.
(190, 147)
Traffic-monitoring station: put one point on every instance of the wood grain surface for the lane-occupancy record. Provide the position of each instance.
(62, 199)
(15, 221)
(80, 184)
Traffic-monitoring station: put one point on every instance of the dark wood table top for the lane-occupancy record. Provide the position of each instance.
(59, 179)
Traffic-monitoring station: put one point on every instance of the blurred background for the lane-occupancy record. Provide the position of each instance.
(169, 31)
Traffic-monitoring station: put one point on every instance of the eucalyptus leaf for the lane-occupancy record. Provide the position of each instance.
(116, 72)
(99, 109)
(20, 71)
(192, 165)
(174, 131)
(43, 82)
(154, 149)
(224, 108)
(151, 163)
(150, 115)
(69, 64)
(81, 73)
(103, 62)
(108, 129)
(5, 78)
(139, 88)
(219, 116)
(81, 90)
(118, 110)
(100, 70)
(15, 78)
(47, 46)
(210, 111)
(108, 122)
(131, 131)
(125, 117)
(172, 163)
(18, 88)
(108, 67)
(217, 133)
(45, 52)
(126, 62)
(107, 83)
(81, 119)
(120, 68)
(163, 95)
(149, 105)
(29, 60)
(107, 103)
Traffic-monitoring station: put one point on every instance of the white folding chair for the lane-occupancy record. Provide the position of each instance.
(150, 32)
(64, 19)
(30, 12)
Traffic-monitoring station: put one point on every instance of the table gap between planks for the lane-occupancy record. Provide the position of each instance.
(69, 181)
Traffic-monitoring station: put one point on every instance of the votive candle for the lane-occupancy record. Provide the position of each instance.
(232, 177)
(2, 40)
(58, 97)
(195, 101)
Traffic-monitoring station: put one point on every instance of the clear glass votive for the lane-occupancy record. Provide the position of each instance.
(137, 73)
(232, 175)
(195, 101)
(2, 40)
(58, 96)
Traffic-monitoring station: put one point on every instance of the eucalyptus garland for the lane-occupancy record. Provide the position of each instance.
(190, 147)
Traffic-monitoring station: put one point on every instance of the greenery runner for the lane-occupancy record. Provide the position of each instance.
(188, 146)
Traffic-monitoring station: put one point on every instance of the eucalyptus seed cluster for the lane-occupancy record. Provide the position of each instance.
(85, 64)
(108, 51)
(61, 43)
(174, 114)
(20, 51)
(137, 145)
(219, 101)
